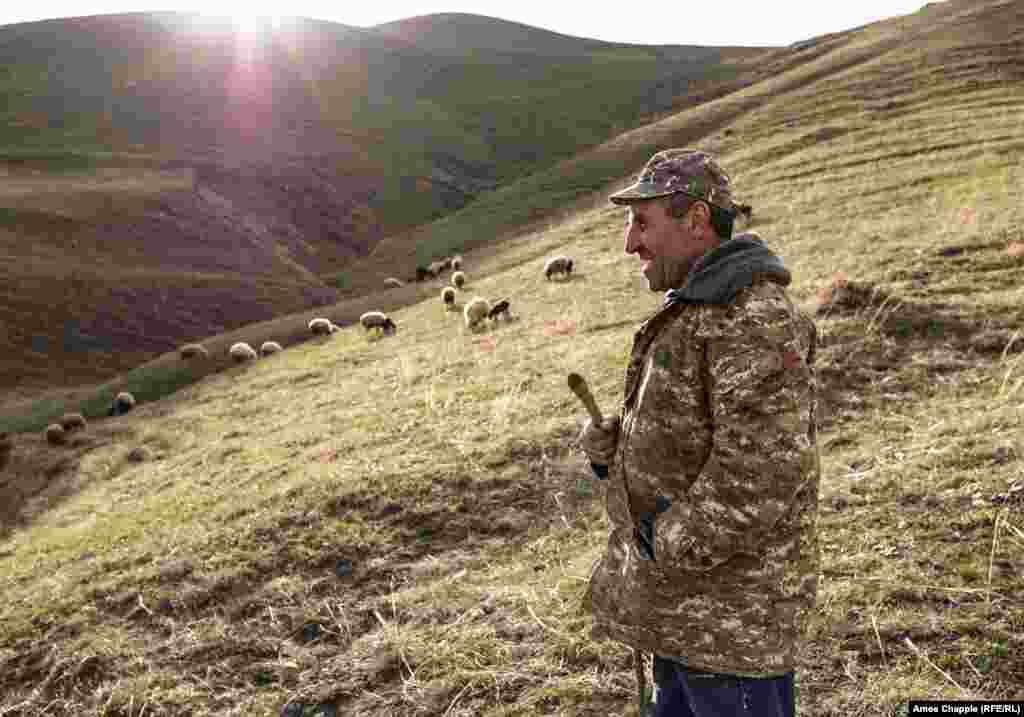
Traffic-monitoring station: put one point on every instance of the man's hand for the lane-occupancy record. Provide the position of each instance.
(599, 440)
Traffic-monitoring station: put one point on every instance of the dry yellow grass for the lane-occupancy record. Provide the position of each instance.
(402, 526)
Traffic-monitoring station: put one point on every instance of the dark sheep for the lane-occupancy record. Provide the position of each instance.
(123, 403)
(557, 265)
(54, 434)
(498, 310)
(423, 273)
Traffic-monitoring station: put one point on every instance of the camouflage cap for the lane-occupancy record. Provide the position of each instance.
(686, 171)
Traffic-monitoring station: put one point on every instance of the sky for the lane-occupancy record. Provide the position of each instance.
(718, 22)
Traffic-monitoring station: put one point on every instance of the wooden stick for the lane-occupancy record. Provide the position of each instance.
(578, 385)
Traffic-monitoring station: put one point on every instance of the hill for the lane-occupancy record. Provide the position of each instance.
(404, 526)
(233, 172)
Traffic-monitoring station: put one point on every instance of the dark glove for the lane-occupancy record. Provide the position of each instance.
(644, 532)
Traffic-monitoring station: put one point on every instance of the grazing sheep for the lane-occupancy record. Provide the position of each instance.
(192, 351)
(123, 402)
(377, 320)
(72, 421)
(269, 347)
(448, 297)
(393, 283)
(458, 280)
(498, 310)
(423, 273)
(457, 262)
(437, 267)
(54, 434)
(321, 326)
(557, 265)
(476, 311)
(242, 352)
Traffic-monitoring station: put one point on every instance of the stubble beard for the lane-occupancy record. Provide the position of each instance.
(663, 273)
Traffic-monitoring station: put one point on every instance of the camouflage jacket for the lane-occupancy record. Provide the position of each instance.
(712, 558)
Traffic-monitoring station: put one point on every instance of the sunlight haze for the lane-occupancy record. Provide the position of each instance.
(724, 23)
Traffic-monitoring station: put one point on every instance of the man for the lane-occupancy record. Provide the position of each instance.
(713, 468)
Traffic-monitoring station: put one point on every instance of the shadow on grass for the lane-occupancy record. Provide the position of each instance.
(880, 344)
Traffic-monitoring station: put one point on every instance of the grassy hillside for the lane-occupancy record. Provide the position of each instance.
(194, 178)
(405, 526)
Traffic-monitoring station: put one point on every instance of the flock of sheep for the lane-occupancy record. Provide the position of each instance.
(57, 433)
(475, 313)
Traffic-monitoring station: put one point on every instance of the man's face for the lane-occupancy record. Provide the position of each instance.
(667, 246)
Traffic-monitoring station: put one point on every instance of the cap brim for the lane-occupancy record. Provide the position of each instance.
(639, 192)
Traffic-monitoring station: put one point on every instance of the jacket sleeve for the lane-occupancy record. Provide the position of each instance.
(759, 390)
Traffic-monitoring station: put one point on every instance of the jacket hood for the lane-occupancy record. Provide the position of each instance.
(718, 276)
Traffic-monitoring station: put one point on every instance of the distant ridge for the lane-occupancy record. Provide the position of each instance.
(466, 32)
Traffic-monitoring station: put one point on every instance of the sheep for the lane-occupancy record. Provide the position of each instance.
(498, 310)
(189, 351)
(437, 267)
(377, 320)
(393, 283)
(123, 402)
(321, 326)
(448, 297)
(72, 421)
(457, 262)
(269, 347)
(242, 352)
(475, 312)
(458, 280)
(557, 265)
(423, 273)
(54, 434)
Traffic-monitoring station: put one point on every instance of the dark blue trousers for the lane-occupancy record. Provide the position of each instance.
(682, 692)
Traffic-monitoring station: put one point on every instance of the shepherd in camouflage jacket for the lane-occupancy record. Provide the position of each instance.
(713, 467)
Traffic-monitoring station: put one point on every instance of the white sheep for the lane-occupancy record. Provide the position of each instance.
(557, 265)
(321, 326)
(242, 352)
(123, 402)
(377, 320)
(72, 422)
(269, 347)
(458, 279)
(448, 297)
(457, 262)
(393, 283)
(475, 312)
(189, 351)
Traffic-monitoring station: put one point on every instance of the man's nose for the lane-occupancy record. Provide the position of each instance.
(630, 241)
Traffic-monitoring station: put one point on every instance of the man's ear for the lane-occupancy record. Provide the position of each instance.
(700, 216)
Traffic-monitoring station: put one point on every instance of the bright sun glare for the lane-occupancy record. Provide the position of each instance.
(241, 23)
